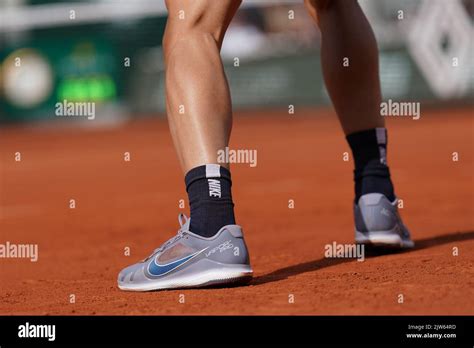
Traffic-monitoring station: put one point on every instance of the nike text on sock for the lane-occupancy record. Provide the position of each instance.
(210, 199)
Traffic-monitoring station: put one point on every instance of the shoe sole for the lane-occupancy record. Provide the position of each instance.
(234, 275)
(385, 239)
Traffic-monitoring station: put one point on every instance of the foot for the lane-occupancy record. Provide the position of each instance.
(189, 260)
(378, 223)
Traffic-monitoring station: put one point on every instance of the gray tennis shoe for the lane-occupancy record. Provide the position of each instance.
(378, 223)
(189, 260)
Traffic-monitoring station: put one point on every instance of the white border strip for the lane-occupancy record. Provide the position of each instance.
(213, 171)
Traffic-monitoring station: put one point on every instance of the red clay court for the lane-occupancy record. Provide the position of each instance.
(134, 204)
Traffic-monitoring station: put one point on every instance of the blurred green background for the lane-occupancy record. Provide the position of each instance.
(109, 52)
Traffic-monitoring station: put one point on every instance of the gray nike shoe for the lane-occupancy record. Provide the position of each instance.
(189, 260)
(378, 223)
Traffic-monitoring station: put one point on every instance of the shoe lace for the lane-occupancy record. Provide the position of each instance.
(183, 220)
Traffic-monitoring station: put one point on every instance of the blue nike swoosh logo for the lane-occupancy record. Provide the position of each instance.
(157, 270)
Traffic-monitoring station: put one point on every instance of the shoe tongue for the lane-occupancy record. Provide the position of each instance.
(184, 222)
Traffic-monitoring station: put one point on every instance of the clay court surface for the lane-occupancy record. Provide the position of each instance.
(300, 157)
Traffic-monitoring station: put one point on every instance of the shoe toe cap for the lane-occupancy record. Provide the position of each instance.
(128, 274)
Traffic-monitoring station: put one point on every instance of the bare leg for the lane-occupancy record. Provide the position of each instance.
(197, 93)
(199, 106)
(355, 93)
(349, 58)
(200, 118)
(355, 89)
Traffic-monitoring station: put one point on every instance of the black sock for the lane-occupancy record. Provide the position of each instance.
(210, 199)
(371, 174)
